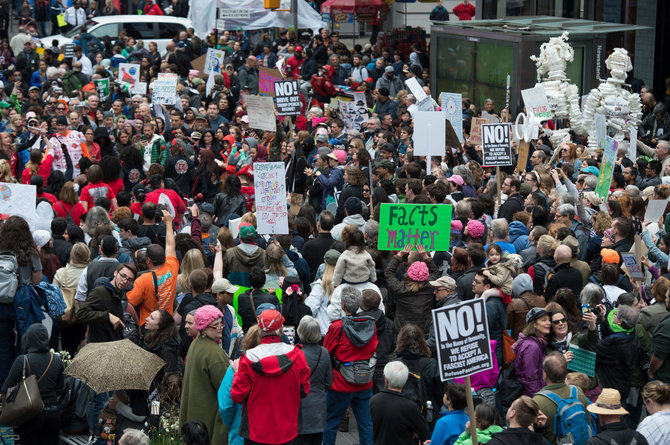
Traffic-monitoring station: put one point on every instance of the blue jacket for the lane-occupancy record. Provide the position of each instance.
(230, 411)
(518, 235)
(449, 426)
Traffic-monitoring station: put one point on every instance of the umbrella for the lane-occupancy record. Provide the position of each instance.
(115, 365)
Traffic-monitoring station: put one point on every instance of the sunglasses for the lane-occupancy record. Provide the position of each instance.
(559, 321)
(60, 108)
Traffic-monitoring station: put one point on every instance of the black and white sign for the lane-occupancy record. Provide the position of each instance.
(496, 146)
(462, 337)
(68, 51)
(287, 97)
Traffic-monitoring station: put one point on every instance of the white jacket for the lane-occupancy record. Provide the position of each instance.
(75, 17)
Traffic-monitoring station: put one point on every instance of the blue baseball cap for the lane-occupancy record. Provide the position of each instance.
(591, 169)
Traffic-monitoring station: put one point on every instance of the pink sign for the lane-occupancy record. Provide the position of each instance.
(266, 79)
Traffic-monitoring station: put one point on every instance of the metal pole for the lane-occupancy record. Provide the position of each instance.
(294, 11)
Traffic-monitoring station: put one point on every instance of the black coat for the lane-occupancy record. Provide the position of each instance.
(245, 308)
(314, 250)
(512, 205)
(464, 283)
(616, 357)
(61, 249)
(616, 433)
(563, 276)
(103, 300)
(348, 191)
(396, 419)
(518, 436)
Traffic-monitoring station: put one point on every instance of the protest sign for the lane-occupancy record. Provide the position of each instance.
(19, 199)
(462, 339)
(416, 89)
(129, 73)
(429, 133)
(655, 210)
(287, 97)
(102, 88)
(68, 51)
(266, 79)
(453, 110)
(491, 118)
(270, 186)
(583, 361)
(632, 266)
(601, 130)
(425, 224)
(213, 60)
(261, 113)
(607, 168)
(632, 148)
(536, 103)
(496, 146)
(165, 89)
(476, 130)
(139, 88)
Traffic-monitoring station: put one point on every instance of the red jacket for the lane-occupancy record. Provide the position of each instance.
(177, 203)
(341, 347)
(294, 65)
(464, 12)
(269, 383)
(44, 170)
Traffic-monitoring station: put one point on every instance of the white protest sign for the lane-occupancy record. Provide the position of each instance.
(220, 24)
(452, 107)
(416, 89)
(213, 59)
(536, 103)
(261, 112)
(139, 88)
(601, 130)
(632, 149)
(655, 210)
(129, 72)
(270, 187)
(234, 13)
(496, 146)
(429, 133)
(165, 89)
(462, 339)
(19, 200)
(287, 97)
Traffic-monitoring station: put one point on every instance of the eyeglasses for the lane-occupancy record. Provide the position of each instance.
(559, 321)
(125, 277)
(216, 325)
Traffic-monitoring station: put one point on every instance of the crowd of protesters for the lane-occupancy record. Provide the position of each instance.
(147, 227)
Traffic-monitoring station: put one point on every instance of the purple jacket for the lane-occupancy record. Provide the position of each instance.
(530, 353)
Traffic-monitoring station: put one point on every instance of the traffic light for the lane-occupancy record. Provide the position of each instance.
(271, 4)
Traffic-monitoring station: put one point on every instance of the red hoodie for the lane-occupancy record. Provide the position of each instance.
(269, 383)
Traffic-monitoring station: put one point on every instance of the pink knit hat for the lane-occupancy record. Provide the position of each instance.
(418, 271)
(475, 228)
(205, 315)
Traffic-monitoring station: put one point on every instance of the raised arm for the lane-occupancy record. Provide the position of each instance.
(170, 249)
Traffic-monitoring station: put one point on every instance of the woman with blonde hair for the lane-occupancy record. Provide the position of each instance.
(655, 427)
(6, 172)
(193, 260)
(322, 291)
(277, 266)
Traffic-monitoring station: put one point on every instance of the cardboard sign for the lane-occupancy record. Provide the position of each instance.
(632, 265)
(607, 168)
(655, 209)
(496, 145)
(19, 200)
(601, 130)
(129, 73)
(102, 88)
(425, 224)
(261, 113)
(462, 339)
(536, 103)
(429, 133)
(287, 98)
(522, 161)
(452, 107)
(266, 79)
(165, 89)
(270, 186)
(476, 130)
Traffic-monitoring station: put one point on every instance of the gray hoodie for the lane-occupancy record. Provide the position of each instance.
(357, 220)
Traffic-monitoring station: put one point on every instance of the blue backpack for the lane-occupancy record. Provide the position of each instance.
(571, 418)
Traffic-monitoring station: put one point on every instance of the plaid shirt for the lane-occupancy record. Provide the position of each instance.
(656, 428)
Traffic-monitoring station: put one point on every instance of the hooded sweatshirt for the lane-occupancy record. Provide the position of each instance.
(269, 383)
(238, 261)
(518, 235)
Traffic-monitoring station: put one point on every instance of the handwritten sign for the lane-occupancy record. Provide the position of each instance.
(266, 80)
(261, 113)
(607, 168)
(129, 73)
(452, 107)
(165, 89)
(632, 265)
(425, 224)
(270, 186)
(213, 60)
(476, 130)
(536, 103)
(496, 146)
(287, 98)
(462, 339)
(429, 133)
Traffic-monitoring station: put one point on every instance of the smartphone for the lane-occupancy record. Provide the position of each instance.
(585, 309)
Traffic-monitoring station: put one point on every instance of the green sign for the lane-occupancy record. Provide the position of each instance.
(425, 224)
(607, 168)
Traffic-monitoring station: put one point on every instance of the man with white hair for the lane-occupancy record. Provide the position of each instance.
(498, 231)
(396, 418)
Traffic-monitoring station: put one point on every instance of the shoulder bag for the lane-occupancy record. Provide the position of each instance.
(23, 402)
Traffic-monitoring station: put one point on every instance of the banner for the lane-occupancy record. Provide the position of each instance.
(266, 79)
(165, 89)
(430, 133)
(270, 186)
(287, 98)
(19, 199)
(462, 339)
(452, 107)
(496, 146)
(102, 88)
(476, 130)
(129, 73)
(607, 168)
(535, 100)
(425, 224)
(261, 113)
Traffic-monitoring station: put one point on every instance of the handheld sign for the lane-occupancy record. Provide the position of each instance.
(655, 210)
(536, 103)
(287, 97)
(496, 145)
(462, 336)
(607, 168)
(270, 187)
(261, 113)
(19, 199)
(601, 130)
(102, 88)
(165, 89)
(453, 110)
(266, 78)
(425, 224)
(632, 266)
(429, 133)
(476, 130)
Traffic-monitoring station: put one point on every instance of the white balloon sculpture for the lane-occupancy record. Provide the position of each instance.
(621, 108)
(563, 96)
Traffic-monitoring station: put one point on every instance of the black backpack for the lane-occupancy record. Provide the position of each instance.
(416, 389)
(68, 217)
(74, 404)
